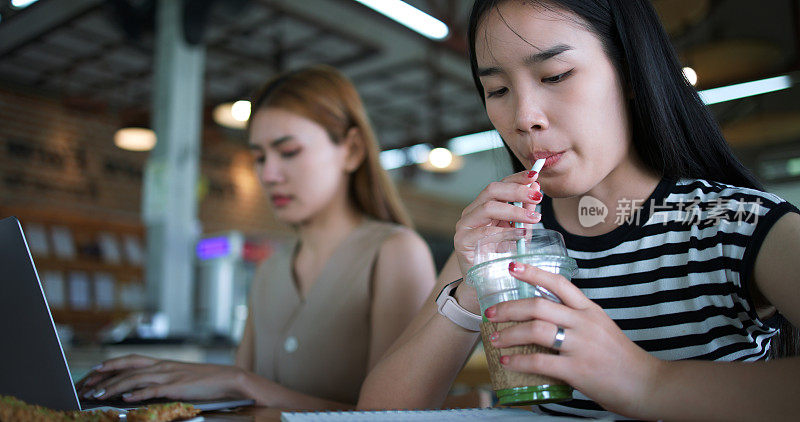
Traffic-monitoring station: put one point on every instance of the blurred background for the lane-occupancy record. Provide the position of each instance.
(150, 241)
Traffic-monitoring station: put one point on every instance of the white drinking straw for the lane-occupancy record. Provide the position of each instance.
(537, 167)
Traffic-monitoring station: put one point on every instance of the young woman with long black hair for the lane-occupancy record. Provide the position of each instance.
(698, 273)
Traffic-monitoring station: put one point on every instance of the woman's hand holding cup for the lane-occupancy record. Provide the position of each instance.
(595, 356)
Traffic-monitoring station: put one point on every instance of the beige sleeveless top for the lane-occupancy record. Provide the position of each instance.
(318, 345)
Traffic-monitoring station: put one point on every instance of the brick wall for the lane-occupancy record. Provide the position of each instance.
(53, 157)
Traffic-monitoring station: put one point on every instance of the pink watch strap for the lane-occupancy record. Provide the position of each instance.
(448, 306)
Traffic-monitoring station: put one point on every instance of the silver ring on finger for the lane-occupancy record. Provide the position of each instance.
(559, 338)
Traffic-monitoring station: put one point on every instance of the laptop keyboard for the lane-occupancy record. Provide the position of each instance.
(119, 403)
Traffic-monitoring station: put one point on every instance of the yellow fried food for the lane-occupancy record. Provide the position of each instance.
(162, 412)
(15, 410)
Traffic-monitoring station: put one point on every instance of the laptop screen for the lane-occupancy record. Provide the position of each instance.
(32, 364)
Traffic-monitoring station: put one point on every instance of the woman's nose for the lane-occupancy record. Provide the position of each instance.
(529, 116)
(270, 173)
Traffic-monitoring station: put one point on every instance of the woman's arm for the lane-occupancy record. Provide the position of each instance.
(753, 391)
(245, 354)
(403, 277)
(419, 368)
(139, 378)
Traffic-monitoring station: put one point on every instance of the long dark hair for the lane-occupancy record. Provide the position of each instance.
(673, 132)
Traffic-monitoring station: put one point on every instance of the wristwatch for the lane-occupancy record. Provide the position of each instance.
(448, 306)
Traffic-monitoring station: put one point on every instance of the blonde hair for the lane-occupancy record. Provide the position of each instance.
(324, 95)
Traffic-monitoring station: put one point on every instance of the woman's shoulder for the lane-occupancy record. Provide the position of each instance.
(709, 191)
(730, 208)
(387, 230)
(396, 239)
(404, 258)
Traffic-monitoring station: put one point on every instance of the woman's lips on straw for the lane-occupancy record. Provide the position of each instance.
(551, 158)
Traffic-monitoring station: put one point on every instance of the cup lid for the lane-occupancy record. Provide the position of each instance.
(514, 242)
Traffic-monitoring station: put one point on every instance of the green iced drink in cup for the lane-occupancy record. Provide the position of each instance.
(543, 249)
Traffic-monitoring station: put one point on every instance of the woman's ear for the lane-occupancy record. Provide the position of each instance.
(356, 150)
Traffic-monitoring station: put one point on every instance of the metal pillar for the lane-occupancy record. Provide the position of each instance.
(170, 200)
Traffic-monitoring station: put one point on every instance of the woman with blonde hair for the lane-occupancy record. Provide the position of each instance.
(314, 330)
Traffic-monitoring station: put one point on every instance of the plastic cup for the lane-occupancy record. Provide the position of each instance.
(544, 249)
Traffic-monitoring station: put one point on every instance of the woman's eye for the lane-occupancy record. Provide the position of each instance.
(497, 93)
(558, 78)
(260, 159)
(290, 154)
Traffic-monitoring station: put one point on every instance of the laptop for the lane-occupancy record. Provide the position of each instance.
(32, 363)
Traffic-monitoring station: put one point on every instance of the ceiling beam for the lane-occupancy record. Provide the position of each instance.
(28, 25)
(395, 68)
(321, 24)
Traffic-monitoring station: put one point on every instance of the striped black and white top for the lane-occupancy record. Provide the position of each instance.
(674, 275)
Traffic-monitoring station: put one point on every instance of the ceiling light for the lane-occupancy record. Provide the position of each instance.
(21, 4)
(135, 139)
(440, 158)
(475, 142)
(401, 157)
(780, 166)
(419, 153)
(409, 16)
(458, 146)
(393, 158)
(240, 110)
(793, 166)
(232, 115)
(690, 75)
(747, 89)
